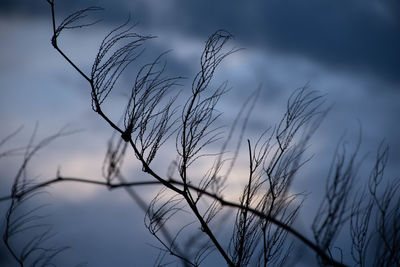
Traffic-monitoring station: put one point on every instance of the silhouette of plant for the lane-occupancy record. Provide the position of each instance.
(23, 221)
(263, 231)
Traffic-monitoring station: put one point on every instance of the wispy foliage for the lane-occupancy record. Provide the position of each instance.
(24, 221)
(263, 232)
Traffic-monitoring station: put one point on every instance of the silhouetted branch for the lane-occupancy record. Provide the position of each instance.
(266, 209)
(220, 199)
(387, 211)
(19, 223)
(333, 210)
(117, 50)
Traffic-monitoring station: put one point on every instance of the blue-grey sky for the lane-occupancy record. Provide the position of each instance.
(348, 50)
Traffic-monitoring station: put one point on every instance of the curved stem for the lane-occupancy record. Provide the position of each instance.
(172, 182)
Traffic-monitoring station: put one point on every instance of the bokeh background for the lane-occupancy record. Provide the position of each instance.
(347, 50)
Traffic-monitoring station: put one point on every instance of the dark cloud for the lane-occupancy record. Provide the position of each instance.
(352, 36)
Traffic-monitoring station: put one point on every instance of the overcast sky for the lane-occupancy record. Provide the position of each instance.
(348, 50)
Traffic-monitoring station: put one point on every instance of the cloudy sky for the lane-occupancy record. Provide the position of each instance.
(347, 50)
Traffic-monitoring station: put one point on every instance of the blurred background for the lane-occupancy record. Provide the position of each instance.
(348, 51)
